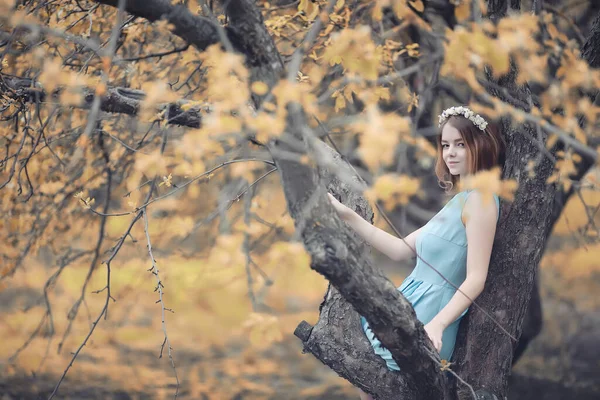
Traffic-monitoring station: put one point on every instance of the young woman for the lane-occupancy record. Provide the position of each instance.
(457, 241)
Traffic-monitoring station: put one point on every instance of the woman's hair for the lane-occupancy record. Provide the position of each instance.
(485, 149)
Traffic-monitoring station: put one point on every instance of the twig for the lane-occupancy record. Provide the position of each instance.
(246, 246)
(101, 235)
(230, 202)
(112, 46)
(159, 55)
(159, 288)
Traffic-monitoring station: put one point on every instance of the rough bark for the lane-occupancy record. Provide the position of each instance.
(194, 29)
(253, 40)
(532, 325)
(338, 341)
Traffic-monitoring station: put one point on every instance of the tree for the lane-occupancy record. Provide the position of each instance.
(521, 81)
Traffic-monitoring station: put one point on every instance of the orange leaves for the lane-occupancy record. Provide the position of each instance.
(445, 365)
(309, 8)
(260, 88)
(151, 164)
(564, 167)
(354, 49)
(517, 32)
(462, 11)
(417, 5)
(101, 89)
(576, 214)
(52, 75)
(488, 183)
(167, 181)
(157, 92)
(393, 189)
(227, 79)
(87, 202)
(379, 135)
(471, 48)
(227, 251)
(266, 126)
(575, 72)
(292, 255)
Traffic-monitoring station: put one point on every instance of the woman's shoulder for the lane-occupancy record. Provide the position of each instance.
(480, 202)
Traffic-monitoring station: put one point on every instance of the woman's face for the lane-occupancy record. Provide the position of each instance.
(454, 151)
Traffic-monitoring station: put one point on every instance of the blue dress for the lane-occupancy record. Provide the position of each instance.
(443, 244)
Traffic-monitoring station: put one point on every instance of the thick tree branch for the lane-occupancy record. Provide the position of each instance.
(195, 30)
(116, 100)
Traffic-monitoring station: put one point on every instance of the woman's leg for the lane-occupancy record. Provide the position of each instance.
(363, 395)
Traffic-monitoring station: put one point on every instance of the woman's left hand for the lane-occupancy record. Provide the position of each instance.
(435, 331)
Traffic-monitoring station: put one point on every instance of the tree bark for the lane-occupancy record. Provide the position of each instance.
(194, 29)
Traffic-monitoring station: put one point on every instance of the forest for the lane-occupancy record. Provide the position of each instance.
(165, 225)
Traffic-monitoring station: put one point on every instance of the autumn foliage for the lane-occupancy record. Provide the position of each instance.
(133, 232)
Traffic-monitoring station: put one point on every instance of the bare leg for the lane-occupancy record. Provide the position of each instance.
(364, 396)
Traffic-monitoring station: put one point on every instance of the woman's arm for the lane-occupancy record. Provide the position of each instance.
(481, 218)
(393, 247)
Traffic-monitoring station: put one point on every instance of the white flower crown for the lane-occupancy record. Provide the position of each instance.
(465, 112)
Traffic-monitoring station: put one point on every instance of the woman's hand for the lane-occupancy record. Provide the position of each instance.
(435, 331)
(344, 212)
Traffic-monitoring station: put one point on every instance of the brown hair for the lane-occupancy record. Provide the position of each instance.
(485, 149)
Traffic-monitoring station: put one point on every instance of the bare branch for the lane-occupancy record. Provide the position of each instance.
(159, 289)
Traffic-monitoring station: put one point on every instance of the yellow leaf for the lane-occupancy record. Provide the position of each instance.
(260, 88)
(377, 13)
(394, 189)
(310, 9)
(188, 106)
(101, 89)
(418, 5)
(340, 102)
(463, 10)
(552, 31)
(489, 182)
(445, 365)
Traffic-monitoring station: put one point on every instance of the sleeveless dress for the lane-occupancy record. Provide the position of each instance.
(443, 244)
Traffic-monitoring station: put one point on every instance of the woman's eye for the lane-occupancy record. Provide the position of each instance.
(461, 144)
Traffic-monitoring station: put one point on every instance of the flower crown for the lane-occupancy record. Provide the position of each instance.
(465, 112)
